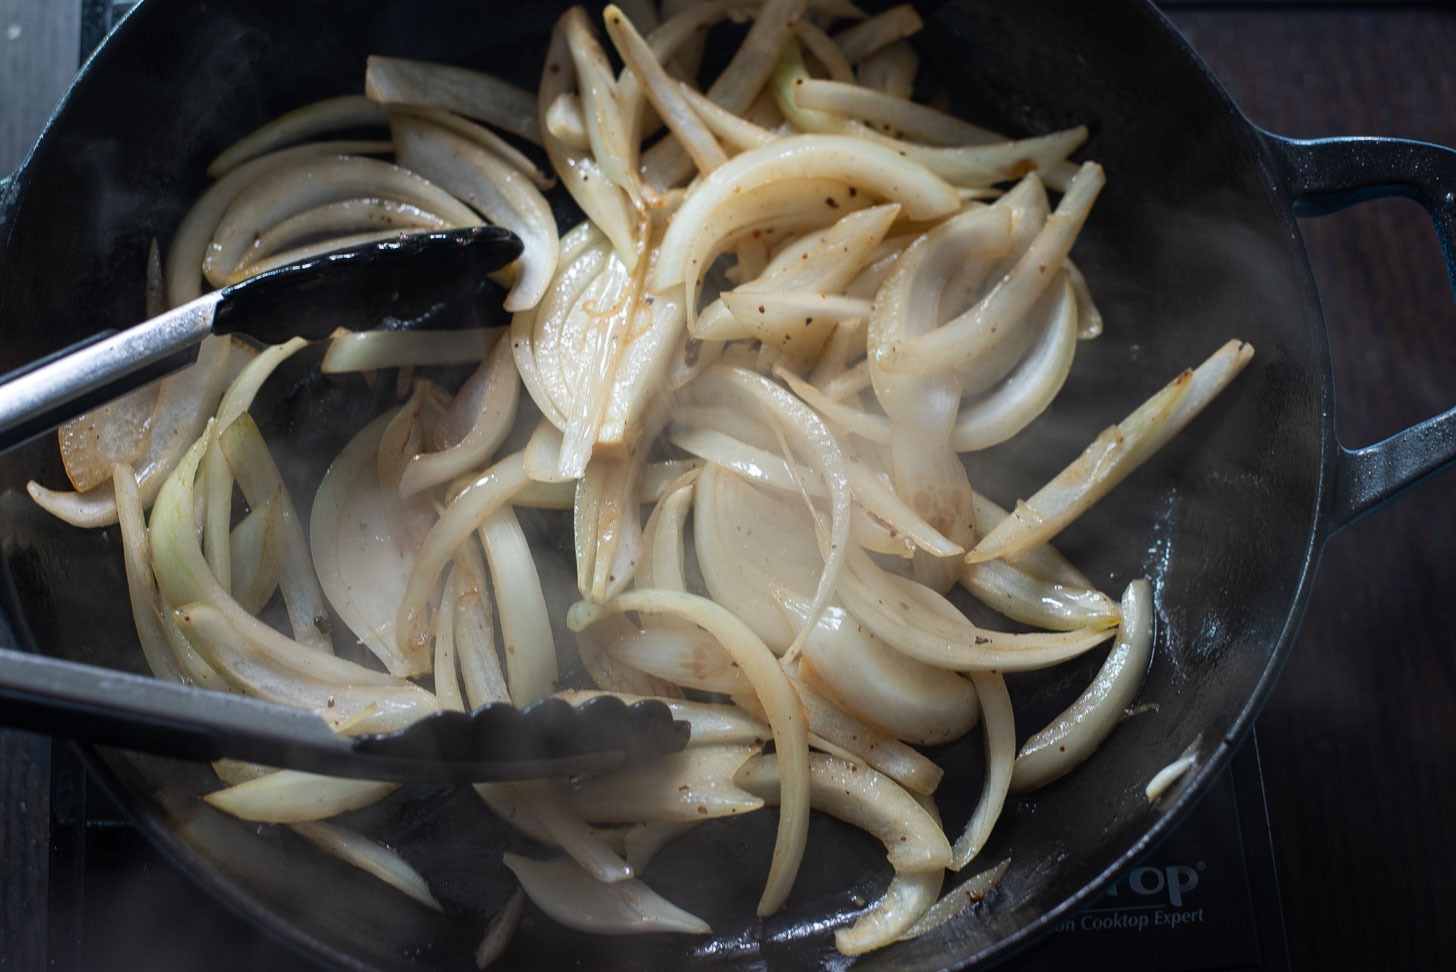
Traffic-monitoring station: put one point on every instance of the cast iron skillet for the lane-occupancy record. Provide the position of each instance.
(1193, 242)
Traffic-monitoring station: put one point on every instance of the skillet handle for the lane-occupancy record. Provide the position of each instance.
(1327, 175)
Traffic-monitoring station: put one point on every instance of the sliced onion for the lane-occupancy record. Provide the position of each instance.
(908, 896)
(835, 731)
(635, 393)
(773, 175)
(194, 234)
(751, 546)
(1018, 595)
(1088, 316)
(352, 218)
(922, 408)
(825, 261)
(494, 188)
(733, 130)
(369, 856)
(663, 92)
(1112, 456)
(891, 69)
(958, 899)
(785, 716)
(807, 433)
(443, 667)
(1164, 779)
(1073, 735)
(984, 328)
(795, 324)
(1030, 388)
(527, 640)
(608, 129)
(695, 784)
(161, 652)
(860, 796)
(484, 97)
(910, 700)
(258, 551)
(185, 402)
(486, 139)
(662, 538)
(501, 929)
(309, 183)
(1000, 727)
(554, 342)
(609, 669)
(457, 522)
(564, 120)
(821, 47)
(548, 804)
(328, 115)
(681, 657)
(290, 796)
(107, 436)
(739, 83)
(480, 669)
(475, 425)
(259, 479)
(606, 206)
(572, 897)
(330, 687)
(713, 723)
(916, 620)
(1043, 562)
(363, 563)
(909, 119)
(372, 350)
(860, 40)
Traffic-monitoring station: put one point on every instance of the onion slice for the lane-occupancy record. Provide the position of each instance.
(363, 561)
(291, 796)
(870, 801)
(369, 856)
(782, 706)
(327, 115)
(525, 621)
(469, 509)
(695, 784)
(372, 350)
(1112, 456)
(1000, 727)
(1073, 735)
(687, 248)
(493, 187)
(984, 328)
(484, 97)
(958, 899)
(574, 898)
(310, 183)
(920, 622)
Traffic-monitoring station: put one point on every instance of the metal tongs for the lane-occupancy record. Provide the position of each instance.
(407, 277)
(548, 738)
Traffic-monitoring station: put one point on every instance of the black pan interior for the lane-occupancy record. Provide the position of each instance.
(1190, 245)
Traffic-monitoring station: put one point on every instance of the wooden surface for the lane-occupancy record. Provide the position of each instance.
(1359, 739)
